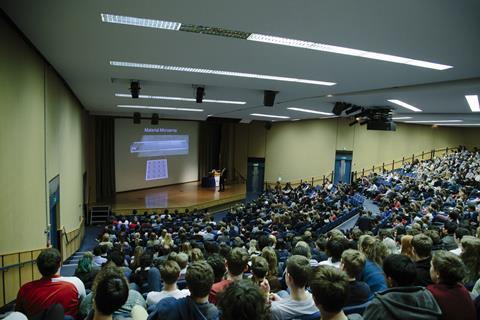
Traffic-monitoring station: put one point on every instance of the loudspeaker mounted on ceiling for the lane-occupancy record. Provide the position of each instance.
(269, 98)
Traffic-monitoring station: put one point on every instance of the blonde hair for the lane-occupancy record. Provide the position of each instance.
(269, 254)
(373, 248)
(406, 245)
(471, 258)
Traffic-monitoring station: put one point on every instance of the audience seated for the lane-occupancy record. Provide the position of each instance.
(447, 272)
(243, 300)
(375, 251)
(353, 263)
(86, 271)
(36, 296)
(299, 302)
(403, 301)
(237, 264)
(330, 292)
(422, 253)
(169, 272)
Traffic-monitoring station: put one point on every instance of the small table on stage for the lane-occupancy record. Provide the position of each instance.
(211, 181)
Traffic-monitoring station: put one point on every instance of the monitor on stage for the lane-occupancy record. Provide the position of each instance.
(155, 155)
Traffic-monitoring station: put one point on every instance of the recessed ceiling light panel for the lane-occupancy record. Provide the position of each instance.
(159, 108)
(310, 111)
(140, 22)
(405, 105)
(269, 116)
(217, 72)
(473, 103)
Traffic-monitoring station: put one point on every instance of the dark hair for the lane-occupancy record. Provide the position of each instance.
(97, 251)
(117, 257)
(243, 300)
(329, 288)
(259, 267)
(217, 262)
(449, 266)
(401, 269)
(460, 232)
(49, 261)
(199, 279)
(423, 245)
(146, 260)
(237, 261)
(299, 269)
(334, 249)
(450, 227)
(111, 293)
(169, 271)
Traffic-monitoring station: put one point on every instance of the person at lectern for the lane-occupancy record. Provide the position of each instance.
(223, 176)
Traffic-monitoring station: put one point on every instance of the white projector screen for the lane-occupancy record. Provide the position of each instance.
(155, 155)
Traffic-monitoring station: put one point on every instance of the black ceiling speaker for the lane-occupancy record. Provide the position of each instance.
(135, 89)
(155, 118)
(137, 117)
(199, 95)
(340, 107)
(269, 98)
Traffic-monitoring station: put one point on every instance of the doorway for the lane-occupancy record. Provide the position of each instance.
(54, 201)
(343, 166)
(255, 176)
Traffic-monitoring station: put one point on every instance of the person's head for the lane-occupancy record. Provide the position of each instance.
(446, 268)
(269, 254)
(85, 263)
(197, 255)
(353, 262)
(117, 257)
(460, 233)
(372, 248)
(298, 271)
(406, 246)
(49, 262)
(110, 290)
(259, 268)
(97, 251)
(217, 262)
(422, 246)
(399, 270)
(243, 300)
(449, 227)
(199, 278)
(335, 248)
(146, 260)
(182, 260)
(237, 261)
(170, 271)
(329, 288)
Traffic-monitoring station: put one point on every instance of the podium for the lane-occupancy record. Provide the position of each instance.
(212, 180)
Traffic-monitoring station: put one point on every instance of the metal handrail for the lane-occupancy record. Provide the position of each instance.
(15, 265)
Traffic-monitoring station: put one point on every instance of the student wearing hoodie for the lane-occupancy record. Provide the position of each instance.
(403, 301)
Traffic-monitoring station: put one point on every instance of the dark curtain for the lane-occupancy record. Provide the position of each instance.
(208, 148)
(104, 157)
(227, 149)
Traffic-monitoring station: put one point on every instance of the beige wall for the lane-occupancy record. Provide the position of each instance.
(306, 149)
(35, 126)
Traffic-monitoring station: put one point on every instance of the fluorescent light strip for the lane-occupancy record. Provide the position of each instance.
(473, 103)
(310, 111)
(346, 51)
(159, 108)
(140, 22)
(401, 118)
(405, 105)
(268, 116)
(458, 124)
(216, 72)
(433, 121)
(142, 96)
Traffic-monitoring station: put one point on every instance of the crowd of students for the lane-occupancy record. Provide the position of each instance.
(419, 258)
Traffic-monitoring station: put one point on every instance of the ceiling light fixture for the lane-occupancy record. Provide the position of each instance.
(140, 22)
(401, 118)
(310, 111)
(159, 108)
(216, 72)
(405, 105)
(142, 96)
(346, 51)
(458, 124)
(269, 116)
(222, 32)
(434, 121)
(473, 103)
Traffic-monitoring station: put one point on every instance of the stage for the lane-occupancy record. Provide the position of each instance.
(180, 196)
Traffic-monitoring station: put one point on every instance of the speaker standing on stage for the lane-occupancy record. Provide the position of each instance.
(223, 175)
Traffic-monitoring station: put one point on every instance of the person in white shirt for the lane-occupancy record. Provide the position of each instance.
(300, 302)
(169, 271)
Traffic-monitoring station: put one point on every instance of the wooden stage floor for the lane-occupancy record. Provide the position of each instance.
(180, 196)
